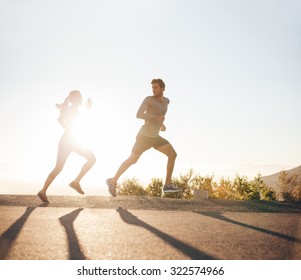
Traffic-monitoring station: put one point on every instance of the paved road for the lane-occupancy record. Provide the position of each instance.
(139, 228)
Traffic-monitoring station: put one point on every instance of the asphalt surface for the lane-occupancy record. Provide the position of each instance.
(143, 228)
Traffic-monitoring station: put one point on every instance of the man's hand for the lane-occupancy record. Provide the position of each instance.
(160, 118)
(163, 127)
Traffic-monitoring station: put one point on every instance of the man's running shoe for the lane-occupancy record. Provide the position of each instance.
(171, 189)
(111, 187)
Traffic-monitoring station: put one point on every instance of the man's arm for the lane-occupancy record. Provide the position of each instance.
(141, 113)
(163, 127)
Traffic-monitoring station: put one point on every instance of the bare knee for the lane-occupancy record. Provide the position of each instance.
(133, 158)
(92, 160)
(56, 171)
(173, 155)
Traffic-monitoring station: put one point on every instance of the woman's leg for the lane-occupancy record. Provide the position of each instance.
(89, 156)
(62, 155)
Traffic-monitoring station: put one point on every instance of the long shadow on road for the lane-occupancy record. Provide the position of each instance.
(225, 219)
(186, 249)
(75, 252)
(9, 236)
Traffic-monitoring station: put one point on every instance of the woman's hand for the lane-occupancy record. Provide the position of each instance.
(89, 103)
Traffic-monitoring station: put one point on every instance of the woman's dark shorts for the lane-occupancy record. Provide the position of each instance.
(144, 143)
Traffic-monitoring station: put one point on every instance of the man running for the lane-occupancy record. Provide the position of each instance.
(152, 110)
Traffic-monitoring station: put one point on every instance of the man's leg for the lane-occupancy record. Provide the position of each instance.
(133, 158)
(141, 145)
(112, 182)
(169, 151)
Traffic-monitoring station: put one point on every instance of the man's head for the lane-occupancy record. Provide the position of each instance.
(158, 87)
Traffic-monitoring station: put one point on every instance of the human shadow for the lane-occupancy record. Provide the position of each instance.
(219, 216)
(75, 251)
(8, 237)
(186, 249)
(44, 204)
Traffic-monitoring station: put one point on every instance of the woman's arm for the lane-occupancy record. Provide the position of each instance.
(61, 120)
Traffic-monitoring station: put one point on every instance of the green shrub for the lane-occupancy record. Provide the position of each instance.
(131, 187)
(297, 193)
(240, 188)
(243, 189)
(290, 189)
(154, 189)
(265, 193)
(224, 190)
(204, 183)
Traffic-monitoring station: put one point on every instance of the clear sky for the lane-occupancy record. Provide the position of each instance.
(232, 71)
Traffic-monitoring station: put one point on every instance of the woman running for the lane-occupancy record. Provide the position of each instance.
(68, 117)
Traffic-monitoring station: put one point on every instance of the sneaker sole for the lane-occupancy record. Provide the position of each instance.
(171, 191)
(109, 188)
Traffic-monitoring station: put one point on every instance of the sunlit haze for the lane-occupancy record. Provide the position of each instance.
(232, 73)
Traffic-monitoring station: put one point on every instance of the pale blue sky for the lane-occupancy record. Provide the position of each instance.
(232, 73)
